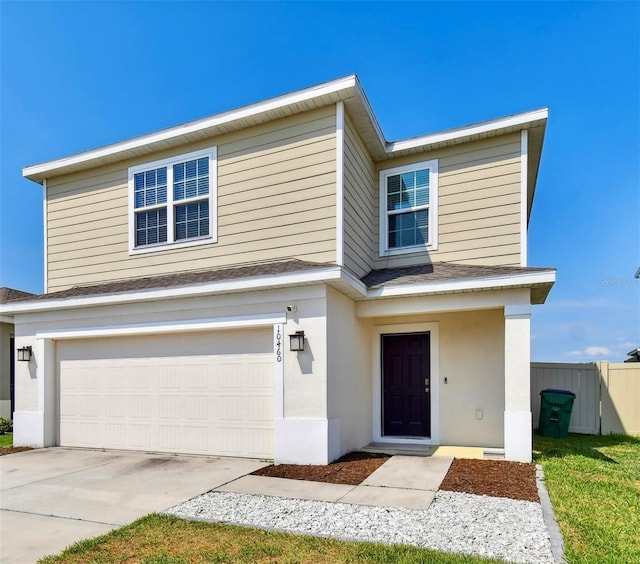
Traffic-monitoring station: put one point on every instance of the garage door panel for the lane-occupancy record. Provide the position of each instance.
(256, 442)
(116, 435)
(141, 435)
(260, 409)
(197, 408)
(219, 404)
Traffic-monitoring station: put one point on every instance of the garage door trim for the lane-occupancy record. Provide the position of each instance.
(218, 323)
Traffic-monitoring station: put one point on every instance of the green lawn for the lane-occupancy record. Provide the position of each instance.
(161, 539)
(594, 485)
(6, 440)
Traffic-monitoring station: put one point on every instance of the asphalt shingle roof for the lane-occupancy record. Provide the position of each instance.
(10, 294)
(188, 278)
(438, 271)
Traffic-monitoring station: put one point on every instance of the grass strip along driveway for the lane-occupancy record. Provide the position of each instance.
(160, 539)
(593, 482)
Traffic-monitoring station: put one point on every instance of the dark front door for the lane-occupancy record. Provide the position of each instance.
(406, 385)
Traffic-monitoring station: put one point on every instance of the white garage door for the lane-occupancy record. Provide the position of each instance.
(192, 393)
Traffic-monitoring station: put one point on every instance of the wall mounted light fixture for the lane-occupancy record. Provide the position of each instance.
(25, 354)
(296, 341)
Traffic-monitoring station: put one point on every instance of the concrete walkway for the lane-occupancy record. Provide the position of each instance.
(409, 482)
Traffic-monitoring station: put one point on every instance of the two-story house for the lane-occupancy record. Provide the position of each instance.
(279, 281)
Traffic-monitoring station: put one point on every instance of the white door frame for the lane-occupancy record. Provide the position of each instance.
(433, 328)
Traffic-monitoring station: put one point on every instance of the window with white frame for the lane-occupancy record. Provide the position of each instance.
(408, 208)
(172, 201)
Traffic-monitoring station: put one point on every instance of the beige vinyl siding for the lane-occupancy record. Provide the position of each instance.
(359, 203)
(276, 199)
(479, 204)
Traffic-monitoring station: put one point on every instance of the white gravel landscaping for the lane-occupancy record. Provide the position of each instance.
(492, 527)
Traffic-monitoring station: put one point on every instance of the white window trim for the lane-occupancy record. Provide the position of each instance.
(212, 153)
(432, 245)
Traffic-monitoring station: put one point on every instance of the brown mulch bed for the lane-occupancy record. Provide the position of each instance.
(496, 478)
(351, 469)
(11, 450)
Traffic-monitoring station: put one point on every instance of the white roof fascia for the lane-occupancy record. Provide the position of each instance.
(354, 282)
(447, 286)
(246, 284)
(371, 114)
(299, 96)
(515, 121)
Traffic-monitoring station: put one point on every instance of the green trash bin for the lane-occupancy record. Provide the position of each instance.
(555, 412)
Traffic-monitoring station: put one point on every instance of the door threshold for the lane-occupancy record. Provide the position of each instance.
(399, 448)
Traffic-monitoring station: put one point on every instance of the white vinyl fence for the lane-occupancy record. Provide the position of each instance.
(581, 379)
(607, 395)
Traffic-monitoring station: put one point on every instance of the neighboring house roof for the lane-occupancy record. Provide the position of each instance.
(10, 294)
(422, 279)
(634, 355)
(347, 90)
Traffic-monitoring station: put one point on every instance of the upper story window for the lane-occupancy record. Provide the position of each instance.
(172, 202)
(408, 208)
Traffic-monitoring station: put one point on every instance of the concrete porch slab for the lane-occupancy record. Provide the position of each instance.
(377, 496)
(411, 472)
(283, 487)
(394, 449)
(459, 452)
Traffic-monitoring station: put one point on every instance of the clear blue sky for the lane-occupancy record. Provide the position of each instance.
(77, 75)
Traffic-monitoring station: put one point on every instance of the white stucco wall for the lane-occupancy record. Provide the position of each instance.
(471, 375)
(304, 374)
(349, 372)
(327, 392)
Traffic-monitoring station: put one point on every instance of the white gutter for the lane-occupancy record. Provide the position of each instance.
(354, 282)
(516, 120)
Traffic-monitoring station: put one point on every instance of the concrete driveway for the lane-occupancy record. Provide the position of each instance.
(53, 497)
